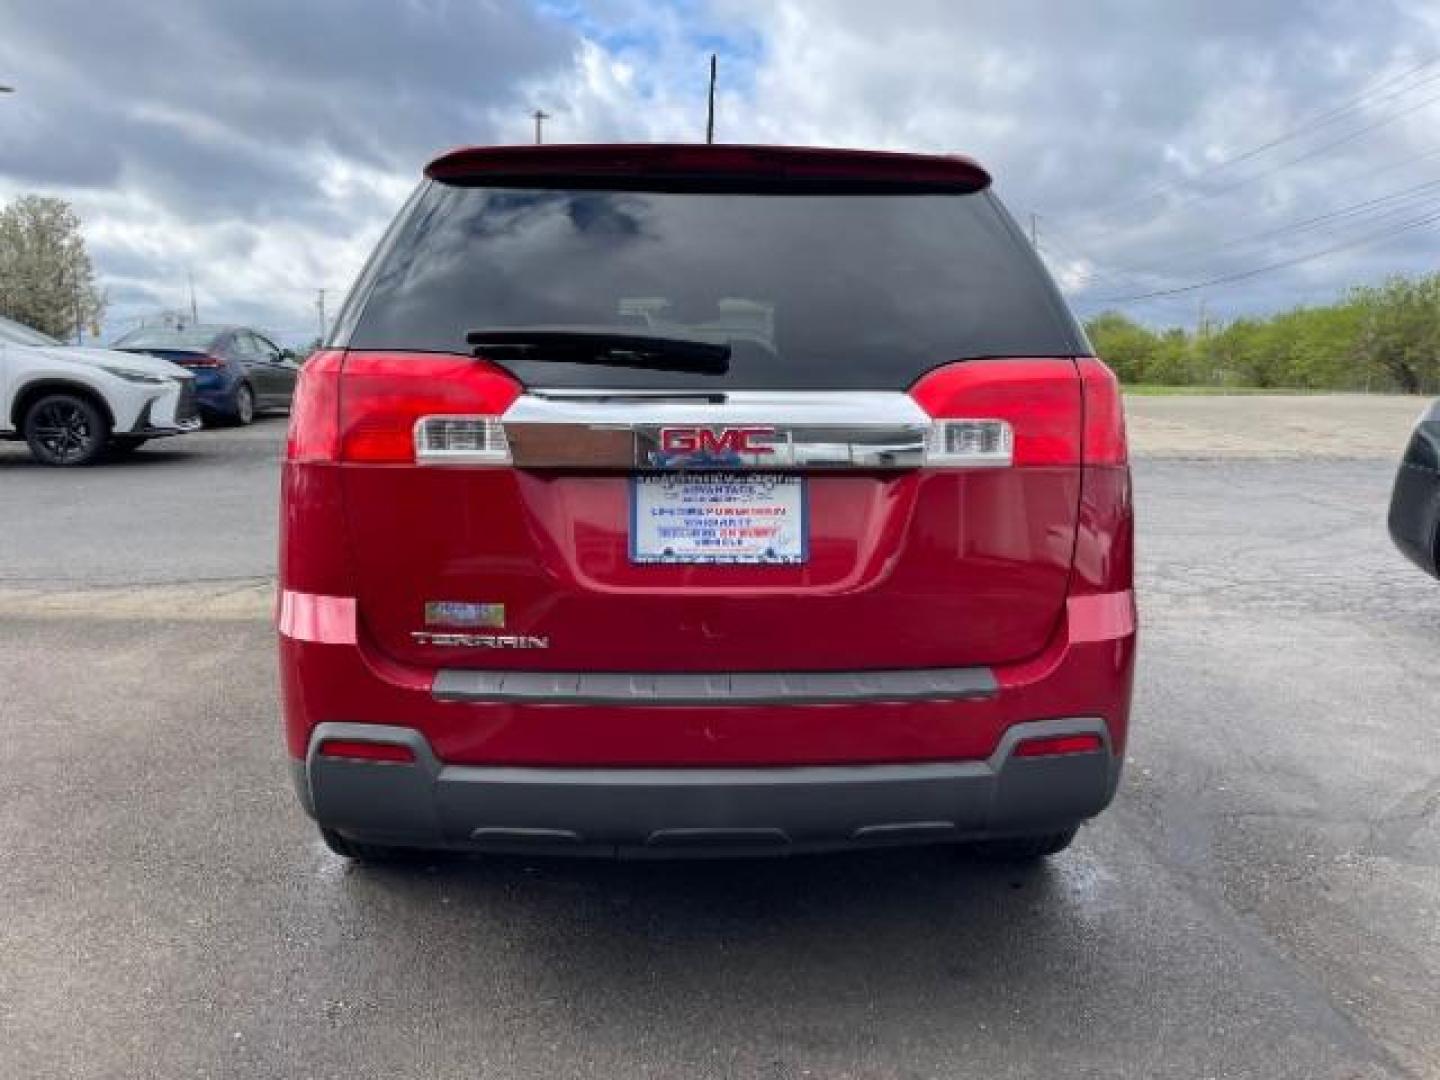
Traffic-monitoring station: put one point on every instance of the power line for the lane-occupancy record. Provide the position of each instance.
(1296, 261)
(1360, 209)
(1314, 123)
(1201, 196)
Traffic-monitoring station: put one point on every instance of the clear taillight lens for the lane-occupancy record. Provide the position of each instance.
(467, 440)
(969, 443)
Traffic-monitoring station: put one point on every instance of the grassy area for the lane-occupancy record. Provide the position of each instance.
(1151, 390)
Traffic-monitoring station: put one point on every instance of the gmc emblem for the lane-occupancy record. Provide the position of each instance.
(716, 442)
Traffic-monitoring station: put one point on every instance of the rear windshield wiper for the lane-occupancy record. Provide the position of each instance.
(609, 348)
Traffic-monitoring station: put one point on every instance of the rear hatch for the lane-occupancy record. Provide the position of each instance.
(721, 410)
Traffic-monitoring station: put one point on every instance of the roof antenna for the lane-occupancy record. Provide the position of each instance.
(710, 112)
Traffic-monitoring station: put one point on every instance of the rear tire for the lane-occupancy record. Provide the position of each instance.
(242, 412)
(357, 851)
(1022, 849)
(65, 430)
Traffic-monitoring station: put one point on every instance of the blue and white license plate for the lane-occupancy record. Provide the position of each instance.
(700, 517)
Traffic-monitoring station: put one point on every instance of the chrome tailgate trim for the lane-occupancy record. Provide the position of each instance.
(808, 430)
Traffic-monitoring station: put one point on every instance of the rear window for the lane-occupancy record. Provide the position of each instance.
(181, 340)
(811, 290)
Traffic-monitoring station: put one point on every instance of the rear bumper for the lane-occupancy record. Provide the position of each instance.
(702, 811)
(797, 765)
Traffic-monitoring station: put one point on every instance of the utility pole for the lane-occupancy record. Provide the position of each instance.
(194, 308)
(1034, 230)
(710, 108)
(540, 116)
(320, 309)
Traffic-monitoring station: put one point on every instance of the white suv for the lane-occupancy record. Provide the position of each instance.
(71, 404)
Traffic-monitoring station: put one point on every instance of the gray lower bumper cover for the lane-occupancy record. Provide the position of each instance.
(698, 811)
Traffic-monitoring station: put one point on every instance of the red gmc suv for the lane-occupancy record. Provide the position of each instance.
(676, 500)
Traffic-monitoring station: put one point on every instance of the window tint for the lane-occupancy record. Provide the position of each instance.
(823, 291)
(267, 349)
(149, 337)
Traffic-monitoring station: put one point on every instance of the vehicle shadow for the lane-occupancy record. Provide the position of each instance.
(817, 953)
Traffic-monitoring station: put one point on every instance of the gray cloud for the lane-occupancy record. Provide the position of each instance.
(264, 144)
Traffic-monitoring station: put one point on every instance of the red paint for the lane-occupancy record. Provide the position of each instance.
(360, 685)
(1027, 569)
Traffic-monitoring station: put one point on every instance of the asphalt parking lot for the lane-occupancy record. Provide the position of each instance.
(1262, 901)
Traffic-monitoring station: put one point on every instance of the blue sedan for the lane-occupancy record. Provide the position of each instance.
(238, 371)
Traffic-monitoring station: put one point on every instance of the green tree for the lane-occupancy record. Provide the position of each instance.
(46, 280)
(1399, 332)
(1129, 348)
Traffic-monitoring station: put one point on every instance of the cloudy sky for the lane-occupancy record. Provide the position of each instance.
(1272, 151)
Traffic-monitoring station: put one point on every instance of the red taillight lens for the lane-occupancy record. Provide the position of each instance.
(1038, 398)
(201, 362)
(315, 410)
(1055, 745)
(384, 395)
(356, 750)
(1104, 414)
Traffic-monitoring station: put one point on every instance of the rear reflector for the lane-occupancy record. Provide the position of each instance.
(356, 750)
(1055, 745)
(461, 440)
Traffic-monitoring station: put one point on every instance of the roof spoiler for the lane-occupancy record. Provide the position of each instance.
(701, 167)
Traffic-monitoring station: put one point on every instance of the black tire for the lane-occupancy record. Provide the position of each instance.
(65, 430)
(1022, 849)
(121, 445)
(242, 409)
(366, 853)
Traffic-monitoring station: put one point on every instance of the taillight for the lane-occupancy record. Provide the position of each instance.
(1003, 412)
(423, 407)
(1104, 414)
(315, 410)
(201, 362)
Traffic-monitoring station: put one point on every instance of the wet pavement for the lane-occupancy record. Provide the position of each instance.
(1262, 901)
